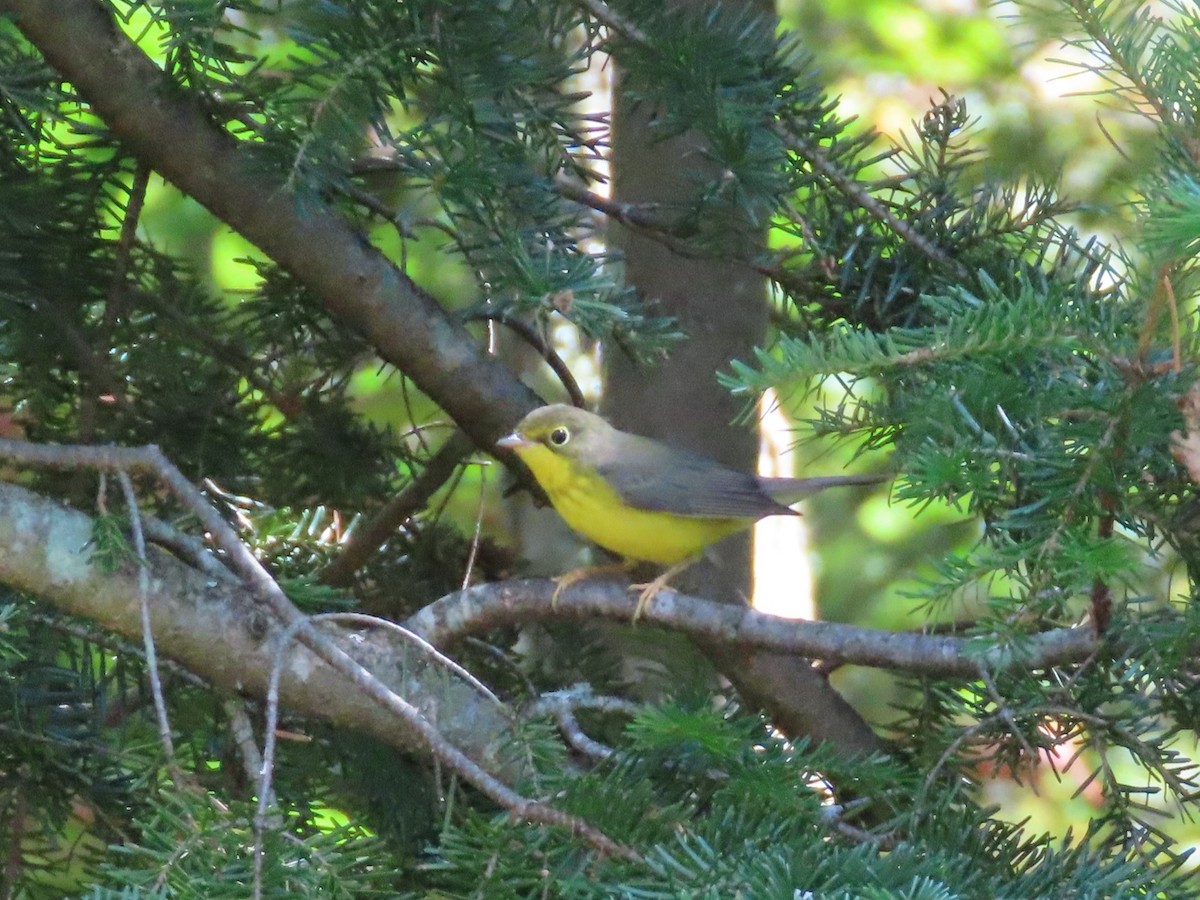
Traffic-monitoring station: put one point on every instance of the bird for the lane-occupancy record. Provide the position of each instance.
(644, 500)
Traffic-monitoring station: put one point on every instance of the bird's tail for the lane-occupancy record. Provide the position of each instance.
(793, 490)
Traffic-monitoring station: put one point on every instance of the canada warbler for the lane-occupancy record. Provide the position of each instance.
(641, 499)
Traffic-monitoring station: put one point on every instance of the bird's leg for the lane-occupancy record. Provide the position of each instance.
(649, 590)
(564, 581)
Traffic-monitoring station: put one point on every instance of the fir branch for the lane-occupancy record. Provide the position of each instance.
(1122, 48)
(812, 153)
(975, 328)
(805, 148)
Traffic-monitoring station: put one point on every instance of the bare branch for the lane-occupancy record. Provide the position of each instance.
(506, 603)
(205, 624)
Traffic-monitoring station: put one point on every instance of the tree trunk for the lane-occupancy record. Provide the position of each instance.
(723, 308)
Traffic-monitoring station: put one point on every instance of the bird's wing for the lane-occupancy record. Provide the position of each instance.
(651, 476)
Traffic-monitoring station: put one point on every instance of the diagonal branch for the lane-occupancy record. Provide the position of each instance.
(366, 541)
(173, 134)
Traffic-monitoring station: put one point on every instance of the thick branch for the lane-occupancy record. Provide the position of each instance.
(217, 629)
(507, 603)
(172, 133)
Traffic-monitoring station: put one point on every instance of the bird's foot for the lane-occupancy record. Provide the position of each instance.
(651, 589)
(564, 581)
(647, 592)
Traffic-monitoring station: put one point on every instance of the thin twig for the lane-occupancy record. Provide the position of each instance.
(477, 535)
(267, 766)
(1005, 712)
(191, 549)
(286, 402)
(366, 541)
(639, 217)
(417, 641)
(143, 590)
(110, 641)
(1176, 340)
(417, 431)
(116, 303)
(97, 383)
(534, 339)
(561, 705)
(581, 696)
(634, 215)
(952, 748)
(503, 658)
(576, 738)
(241, 729)
(881, 842)
(1089, 16)
(605, 15)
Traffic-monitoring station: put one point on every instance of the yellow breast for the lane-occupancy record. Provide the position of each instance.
(595, 510)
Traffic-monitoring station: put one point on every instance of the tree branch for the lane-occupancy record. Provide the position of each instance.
(173, 134)
(417, 723)
(220, 631)
(366, 541)
(488, 606)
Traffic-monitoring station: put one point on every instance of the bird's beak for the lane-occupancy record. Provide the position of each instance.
(513, 441)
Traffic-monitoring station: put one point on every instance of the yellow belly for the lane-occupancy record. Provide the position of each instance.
(596, 511)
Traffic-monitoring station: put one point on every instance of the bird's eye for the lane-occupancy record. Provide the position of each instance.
(559, 436)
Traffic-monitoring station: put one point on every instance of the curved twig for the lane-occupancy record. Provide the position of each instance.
(417, 641)
(561, 706)
(534, 339)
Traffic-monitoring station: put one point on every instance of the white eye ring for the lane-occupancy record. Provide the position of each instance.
(559, 436)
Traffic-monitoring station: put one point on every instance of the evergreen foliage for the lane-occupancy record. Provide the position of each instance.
(1026, 373)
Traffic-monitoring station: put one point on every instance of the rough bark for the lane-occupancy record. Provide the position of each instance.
(217, 630)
